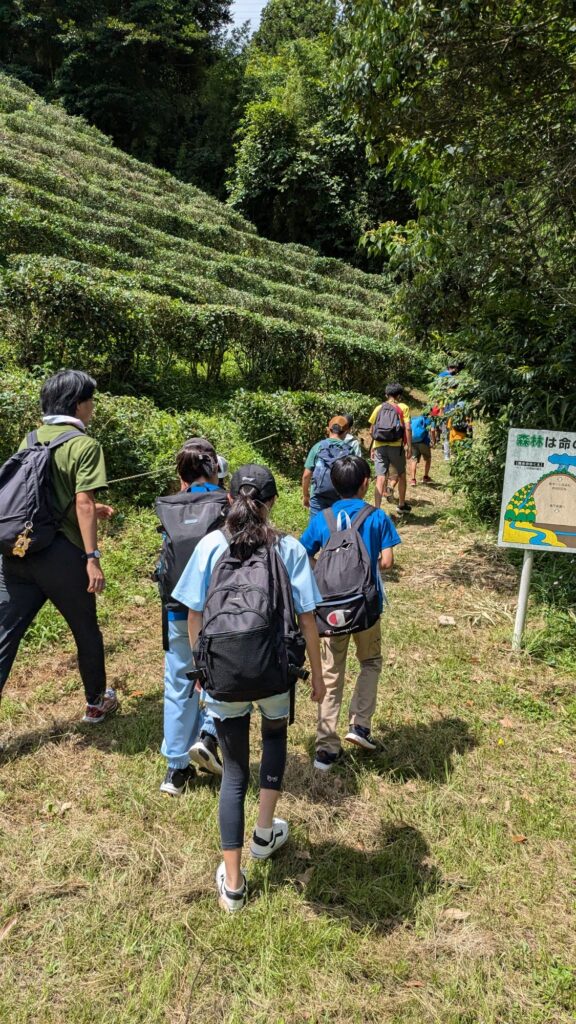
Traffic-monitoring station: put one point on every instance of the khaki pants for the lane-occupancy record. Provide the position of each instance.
(363, 704)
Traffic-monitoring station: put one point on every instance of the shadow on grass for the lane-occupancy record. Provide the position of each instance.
(374, 890)
(424, 750)
(136, 728)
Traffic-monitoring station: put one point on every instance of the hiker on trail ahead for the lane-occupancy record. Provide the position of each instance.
(49, 533)
(391, 445)
(422, 427)
(349, 436)
(252, 597)
(200, 507)
(355, 541)
(317, 490)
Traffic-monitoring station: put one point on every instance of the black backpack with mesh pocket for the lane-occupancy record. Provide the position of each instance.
(350, 602)
(250, 644)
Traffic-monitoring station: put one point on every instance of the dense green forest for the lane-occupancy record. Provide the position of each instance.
(433, 147)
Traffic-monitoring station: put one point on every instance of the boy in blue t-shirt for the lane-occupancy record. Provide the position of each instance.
(422, 429)
(351, 478)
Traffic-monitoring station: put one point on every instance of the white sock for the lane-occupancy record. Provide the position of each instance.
(263, 833)
(234, 891)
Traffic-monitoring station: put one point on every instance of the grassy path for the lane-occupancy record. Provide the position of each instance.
(432, 883)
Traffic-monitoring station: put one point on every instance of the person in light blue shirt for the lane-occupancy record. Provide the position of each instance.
(189, 733)
(351, 478)
(252, 494)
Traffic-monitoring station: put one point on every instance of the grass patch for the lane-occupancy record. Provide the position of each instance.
(431, 882)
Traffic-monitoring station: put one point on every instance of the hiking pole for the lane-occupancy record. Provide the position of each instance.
(523, 594)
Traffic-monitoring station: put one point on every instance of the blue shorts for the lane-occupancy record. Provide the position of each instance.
(273, 708)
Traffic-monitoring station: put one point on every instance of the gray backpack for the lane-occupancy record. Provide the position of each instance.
(28, 520)
(389, 425)
(343, 572)
(250, 645)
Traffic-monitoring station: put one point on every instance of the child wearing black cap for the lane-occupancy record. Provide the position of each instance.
(252, 495)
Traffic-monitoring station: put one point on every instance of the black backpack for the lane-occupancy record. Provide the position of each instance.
(328, 453)
(28, 521)
(350, 602)
(389, 425)
(186, 518)
(250, 645)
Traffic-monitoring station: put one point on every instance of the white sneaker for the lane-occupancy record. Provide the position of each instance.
(230, 901)
(204, 753)
(261, 849)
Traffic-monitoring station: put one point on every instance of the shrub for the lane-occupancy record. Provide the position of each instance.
(284, 425)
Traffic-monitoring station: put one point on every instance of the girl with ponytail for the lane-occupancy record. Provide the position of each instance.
(247, 532)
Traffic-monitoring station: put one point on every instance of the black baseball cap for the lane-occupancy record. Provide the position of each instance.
(258, 477)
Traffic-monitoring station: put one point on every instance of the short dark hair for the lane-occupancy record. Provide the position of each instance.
(63, 392)
(348, 475)
(348, 416)
(394, 391)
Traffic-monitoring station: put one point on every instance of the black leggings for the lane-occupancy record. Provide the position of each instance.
(234, 740)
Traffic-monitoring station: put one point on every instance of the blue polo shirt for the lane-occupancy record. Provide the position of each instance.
(378, 533)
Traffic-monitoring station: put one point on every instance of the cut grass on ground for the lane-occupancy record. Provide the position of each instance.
(432, 882)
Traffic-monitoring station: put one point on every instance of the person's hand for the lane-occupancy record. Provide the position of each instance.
(104, 511)
(96, 581)
(306, 501)
(318, 688)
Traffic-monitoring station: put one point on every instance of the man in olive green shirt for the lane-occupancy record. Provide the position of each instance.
(68, 571)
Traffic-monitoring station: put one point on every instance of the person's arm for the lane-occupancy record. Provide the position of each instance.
(306, 479)
(387, 558)
(88, 523)
(194, 626)
(408, 429)
(307, 624)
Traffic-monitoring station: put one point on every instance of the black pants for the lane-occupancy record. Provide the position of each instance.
(234, 740)
(57, 574)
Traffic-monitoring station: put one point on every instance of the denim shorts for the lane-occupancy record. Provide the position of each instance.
(277, 706)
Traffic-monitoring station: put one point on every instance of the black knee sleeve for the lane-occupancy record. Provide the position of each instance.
(274, 743)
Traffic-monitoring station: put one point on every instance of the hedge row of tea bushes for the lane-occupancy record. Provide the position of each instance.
(116, 266)
(138, 437)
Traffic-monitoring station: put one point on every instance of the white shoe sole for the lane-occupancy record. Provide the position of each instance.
(321, 767)
(263, 853)
(171, 790)
(352, 737)
(231, 906)
(204, 759)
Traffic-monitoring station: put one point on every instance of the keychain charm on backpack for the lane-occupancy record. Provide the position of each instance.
(23, 541)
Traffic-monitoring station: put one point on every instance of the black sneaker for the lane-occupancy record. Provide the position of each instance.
(204, 753)
(361, 736)
(177, 780)
(406, 507)
(324, 761)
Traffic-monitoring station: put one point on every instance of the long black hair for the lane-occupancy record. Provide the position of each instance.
(247, 524)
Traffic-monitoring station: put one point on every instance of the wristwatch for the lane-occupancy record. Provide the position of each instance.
(92, 554)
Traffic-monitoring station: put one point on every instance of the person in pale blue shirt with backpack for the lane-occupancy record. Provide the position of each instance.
(186, 517)
(251, 598)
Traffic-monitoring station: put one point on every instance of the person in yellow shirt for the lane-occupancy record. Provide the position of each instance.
(391, 444)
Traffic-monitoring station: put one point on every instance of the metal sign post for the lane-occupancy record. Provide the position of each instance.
(538, 503)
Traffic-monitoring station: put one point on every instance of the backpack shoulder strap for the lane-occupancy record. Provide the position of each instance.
(63, 438)
(331, 522)
(31, 438)
(362, 516)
